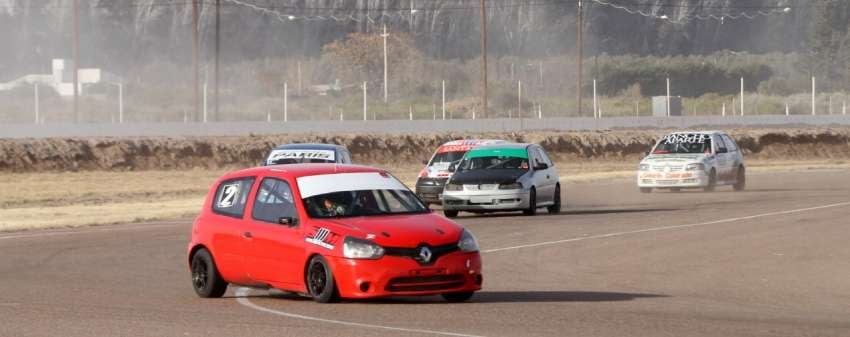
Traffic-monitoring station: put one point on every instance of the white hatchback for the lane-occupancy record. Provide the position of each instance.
(693, 159)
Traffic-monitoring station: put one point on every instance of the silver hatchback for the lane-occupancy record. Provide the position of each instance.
(504, 177)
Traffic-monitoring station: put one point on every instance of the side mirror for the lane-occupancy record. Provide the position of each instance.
(288, 221)
(541, 166)
(646, 154)
(452, 167)
(425, 162)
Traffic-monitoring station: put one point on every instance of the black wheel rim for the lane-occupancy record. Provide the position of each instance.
(199, 274)
(317, 279)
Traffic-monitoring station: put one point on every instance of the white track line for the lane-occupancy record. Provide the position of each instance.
(665, 228)
(242, 293)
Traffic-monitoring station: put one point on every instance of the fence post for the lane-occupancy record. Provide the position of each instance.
(285, 102)
(120, 103)
(668, 97)
(519, 100)
(595, 102)
(36, 104)
(364, 102)
(444, 100)
(205, 102)
(742, 95)
(814, 93)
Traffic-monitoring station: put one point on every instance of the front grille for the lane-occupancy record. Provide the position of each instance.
(413, 253)
(425, 283)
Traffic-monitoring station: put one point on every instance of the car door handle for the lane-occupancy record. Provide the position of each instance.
(247, 235)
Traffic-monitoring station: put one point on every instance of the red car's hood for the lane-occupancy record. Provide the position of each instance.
(403, 231)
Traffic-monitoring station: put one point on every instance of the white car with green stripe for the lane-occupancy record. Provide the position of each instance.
(503, 177)
(693, 159)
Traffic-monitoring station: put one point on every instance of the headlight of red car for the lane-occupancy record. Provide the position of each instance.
(354, 248)
(467, 243)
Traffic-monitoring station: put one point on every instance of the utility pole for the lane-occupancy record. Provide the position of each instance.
(484, 58)
(580, 54)
(386, 85)
(195, 55)
(217, 53)
(76, 48)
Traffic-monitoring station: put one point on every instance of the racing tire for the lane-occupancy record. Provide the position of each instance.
(740, 180)
(450, 213)
(205, 278)
(320, 281)
(712, 182)
(646, 190)
(532, 203)
(556, 206)
(458, 297)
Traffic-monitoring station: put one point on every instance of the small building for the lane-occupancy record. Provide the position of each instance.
(62, 78)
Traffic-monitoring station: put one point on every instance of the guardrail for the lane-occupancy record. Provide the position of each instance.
(407, 126)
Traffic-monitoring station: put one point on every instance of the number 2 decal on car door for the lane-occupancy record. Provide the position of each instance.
(228, 195)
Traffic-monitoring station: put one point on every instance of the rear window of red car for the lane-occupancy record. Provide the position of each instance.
(231, 196)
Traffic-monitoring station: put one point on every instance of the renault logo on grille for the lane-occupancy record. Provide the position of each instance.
(425, 254)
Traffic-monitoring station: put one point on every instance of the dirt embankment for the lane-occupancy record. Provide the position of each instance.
(61, 154)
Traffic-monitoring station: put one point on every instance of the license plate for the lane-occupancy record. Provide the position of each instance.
(427, 272)
(480, 200)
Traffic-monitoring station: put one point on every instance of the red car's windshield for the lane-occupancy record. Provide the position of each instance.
(363, 203)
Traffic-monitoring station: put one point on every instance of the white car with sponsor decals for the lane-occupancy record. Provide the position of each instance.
(693, 159)
(432, 178)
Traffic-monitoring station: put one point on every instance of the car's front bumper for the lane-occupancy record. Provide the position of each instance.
(430, 190)
(403, 276)
(678, 179)
(493, 200)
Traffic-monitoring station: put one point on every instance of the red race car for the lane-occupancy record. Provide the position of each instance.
(330, 231)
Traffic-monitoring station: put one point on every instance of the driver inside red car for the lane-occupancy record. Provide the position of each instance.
(331, 208)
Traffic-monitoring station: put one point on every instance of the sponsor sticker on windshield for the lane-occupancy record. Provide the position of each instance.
(689, 138)
(326, 155)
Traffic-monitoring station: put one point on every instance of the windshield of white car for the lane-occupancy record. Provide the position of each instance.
(363, 203)
(447, 157)
(684, 144)
(493, 163)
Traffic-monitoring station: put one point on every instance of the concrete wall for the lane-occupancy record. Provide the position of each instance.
(416, 126)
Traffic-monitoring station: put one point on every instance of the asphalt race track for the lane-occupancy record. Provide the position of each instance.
(771, 261)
